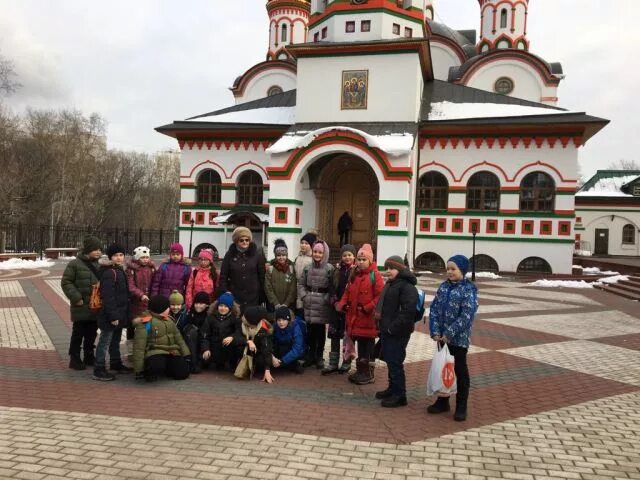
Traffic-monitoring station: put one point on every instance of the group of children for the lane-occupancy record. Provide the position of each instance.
(181, 325)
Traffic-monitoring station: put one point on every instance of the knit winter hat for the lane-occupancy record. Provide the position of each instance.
(325, 250)
(462, 262)
(176, 248)
(115, 248)
(91, 244)
(140, 252)
(280, 247)
(309, 237)
(206, 253)
(395, 262)
(366, 251)
(241, 232)
(202, 297)
(176, 298)
(253, 314)
(283, 313)
(158, 304)
(226, 299)
(348, 248)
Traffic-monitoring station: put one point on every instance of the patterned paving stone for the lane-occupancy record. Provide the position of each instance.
(585, 325)
(585, 441)
(627, 341)
(21, 328)
(495, 336)
(55, 286)
(605, 361)
(11, 289)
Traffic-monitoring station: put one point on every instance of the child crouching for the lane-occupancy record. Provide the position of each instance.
(191, 332)
(289, 343)
(218, 332)
(158, 347)
(255, 338)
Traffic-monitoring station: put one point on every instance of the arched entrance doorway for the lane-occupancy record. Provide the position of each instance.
(346, 183)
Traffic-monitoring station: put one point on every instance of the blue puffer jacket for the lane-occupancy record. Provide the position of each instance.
(291, 339)
(453, 310)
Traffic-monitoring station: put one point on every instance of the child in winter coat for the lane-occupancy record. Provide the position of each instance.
(303, 260)
(159, 349)
(218, 332)
(177, 310)
(114, 292)
(359, 300)
(280, 283)
(315, 289)
(191, 332)
(140, 270)
(288, 341)
(451, 316)
(172, 275)
(341, 277)
(254, 338)
(203, 278)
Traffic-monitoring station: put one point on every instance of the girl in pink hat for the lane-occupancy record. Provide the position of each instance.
(204, 277)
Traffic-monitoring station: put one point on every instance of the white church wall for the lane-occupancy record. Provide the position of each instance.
(612, 219)
(262, 82)
(442, 57)
(390, 98)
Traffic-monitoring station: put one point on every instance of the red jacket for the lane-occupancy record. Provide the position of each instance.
(362, 291)
(200, 280)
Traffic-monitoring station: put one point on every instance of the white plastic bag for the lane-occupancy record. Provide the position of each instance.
(442, 375)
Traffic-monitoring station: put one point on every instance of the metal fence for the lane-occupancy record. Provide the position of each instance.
(36, 238)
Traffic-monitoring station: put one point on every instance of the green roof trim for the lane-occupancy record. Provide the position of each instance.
(291, 201)
(284, 230)
(470, 213)
(601, 174)
(206, 229)
(480, 238)
(400, 203)
(393, 233)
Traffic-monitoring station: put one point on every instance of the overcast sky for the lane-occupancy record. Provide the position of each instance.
(144, 63)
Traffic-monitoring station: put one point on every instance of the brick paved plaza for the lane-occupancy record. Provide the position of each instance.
(555, 394)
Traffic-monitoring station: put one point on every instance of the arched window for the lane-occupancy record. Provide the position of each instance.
(275, 90)
(283, 34)
(483, 192)
(430, 261)
(628, 235)
(250, 188)
(503, 18)
(484, 263)
(208, 187)
(537, 193)
(534, 265)
(433, 191)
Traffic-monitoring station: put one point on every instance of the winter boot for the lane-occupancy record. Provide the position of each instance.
(89, 358)
(196, 367)
(334, 358)
(75, 363)
(309, 360)
(367, 376)
(382, 394)
(394, 401)
(460, 414)
(441, 405)
(345, 367)
(355, 376)
(120, 367)
(101, 374)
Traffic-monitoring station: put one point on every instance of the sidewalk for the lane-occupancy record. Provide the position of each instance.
(555, 394)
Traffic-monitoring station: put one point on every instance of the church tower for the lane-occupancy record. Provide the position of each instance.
(339, 21)
(288, 20)
(428, 10)
(503, 24)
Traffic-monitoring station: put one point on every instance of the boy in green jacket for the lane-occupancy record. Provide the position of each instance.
(158, 347)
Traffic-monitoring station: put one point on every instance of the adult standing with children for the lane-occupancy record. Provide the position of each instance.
(78, 279)
(243, 269)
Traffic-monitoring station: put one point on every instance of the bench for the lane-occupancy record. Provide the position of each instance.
(21, 256)
(60, 252)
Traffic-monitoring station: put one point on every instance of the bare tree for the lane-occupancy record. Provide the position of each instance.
(8, 84)
(624, 164)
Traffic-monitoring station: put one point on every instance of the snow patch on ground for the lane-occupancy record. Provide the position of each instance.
(597, 271)
(451, 111)
(19, 264)
(394, 144)
(490, 275)
(561, 283)
(611, 280)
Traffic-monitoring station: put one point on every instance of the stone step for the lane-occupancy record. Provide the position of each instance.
(629, 286)
(619, 292)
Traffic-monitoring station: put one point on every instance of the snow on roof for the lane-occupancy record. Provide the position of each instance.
(455, 111)
(395, 144)
(264, 116)
(608, 187)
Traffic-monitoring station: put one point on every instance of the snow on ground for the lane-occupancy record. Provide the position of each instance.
(560, 283)
(450, 110)
(597, 271)
(19, 264)
(490, 275)
(610, 280)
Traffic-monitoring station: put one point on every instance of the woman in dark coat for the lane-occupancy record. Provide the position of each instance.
(243, 269)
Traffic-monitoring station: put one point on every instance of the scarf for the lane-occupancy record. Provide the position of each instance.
(378, 311)
(281, 268)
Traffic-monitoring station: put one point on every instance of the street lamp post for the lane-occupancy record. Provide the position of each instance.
(191, 236)
(474, 232)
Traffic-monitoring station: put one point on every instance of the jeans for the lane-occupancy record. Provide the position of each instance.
(83, 334)
(109, 340)
(394, 351)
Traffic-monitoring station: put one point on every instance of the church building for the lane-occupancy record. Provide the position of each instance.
(426, 135)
